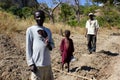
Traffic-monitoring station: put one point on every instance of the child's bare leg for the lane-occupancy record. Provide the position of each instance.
(62, 66)
(68, 64)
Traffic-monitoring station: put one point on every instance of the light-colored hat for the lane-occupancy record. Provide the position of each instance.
(90, 14)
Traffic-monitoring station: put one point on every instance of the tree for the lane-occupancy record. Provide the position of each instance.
(78, 10)
(66, 12)
(87, 3)
(105, 1)
(50, 11)
(6, 4)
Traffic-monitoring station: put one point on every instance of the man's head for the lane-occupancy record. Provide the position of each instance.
(91, 16)
(39, 16)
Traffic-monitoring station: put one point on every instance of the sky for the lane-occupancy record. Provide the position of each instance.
(49, 2)
(82, 2)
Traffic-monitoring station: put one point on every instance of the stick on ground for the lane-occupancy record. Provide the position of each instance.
(73, 74)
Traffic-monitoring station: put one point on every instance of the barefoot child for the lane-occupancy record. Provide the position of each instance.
(67, 49)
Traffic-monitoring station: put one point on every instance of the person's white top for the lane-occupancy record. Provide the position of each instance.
(36, 51)
(91, 25)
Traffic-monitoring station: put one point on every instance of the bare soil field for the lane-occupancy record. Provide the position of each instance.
(100, 65)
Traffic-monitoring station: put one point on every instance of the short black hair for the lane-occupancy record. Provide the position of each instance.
(41, 14)
(67, 32)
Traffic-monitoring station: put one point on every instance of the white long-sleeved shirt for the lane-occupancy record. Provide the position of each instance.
(91, 25)
(36, 51)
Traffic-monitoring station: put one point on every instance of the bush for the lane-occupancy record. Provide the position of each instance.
(73, 23)
(26, 12)
(101, 21)
(21, 12)
(66, 12)
(83, 22)
(90, 9)
(13, 10)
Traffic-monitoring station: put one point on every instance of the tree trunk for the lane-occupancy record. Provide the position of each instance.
(51, 17)
(50, 12)
(78, 10)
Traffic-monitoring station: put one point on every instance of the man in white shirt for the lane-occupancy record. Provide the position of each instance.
(91, 32)
(39, 42)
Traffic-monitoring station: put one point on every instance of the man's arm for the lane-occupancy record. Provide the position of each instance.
(96, 31)
(29, 44)
(48, 44)
(86, 32)
(86, 29)
(96, 28)
(50, 41)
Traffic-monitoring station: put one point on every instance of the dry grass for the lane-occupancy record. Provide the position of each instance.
(10, 23)
(55, 28)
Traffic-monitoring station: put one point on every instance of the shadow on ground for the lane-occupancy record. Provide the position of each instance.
(74, 69)
(85, 68)
(88, 68)
(109, 53)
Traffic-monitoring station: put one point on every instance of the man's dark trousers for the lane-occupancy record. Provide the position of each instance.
(91, 42)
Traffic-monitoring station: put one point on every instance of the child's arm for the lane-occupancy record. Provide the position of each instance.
(72, 45)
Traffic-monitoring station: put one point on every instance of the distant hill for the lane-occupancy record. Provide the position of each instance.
(18, 3)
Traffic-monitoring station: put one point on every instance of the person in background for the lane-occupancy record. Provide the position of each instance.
(67, 49)
(39, 43)
(91, 32)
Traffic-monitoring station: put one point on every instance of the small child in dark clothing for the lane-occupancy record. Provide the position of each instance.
(67, 49)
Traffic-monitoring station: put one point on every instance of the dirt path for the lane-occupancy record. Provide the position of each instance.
(102, 65)
(113, 45)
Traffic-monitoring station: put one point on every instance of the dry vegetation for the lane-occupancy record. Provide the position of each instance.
(10, 23)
